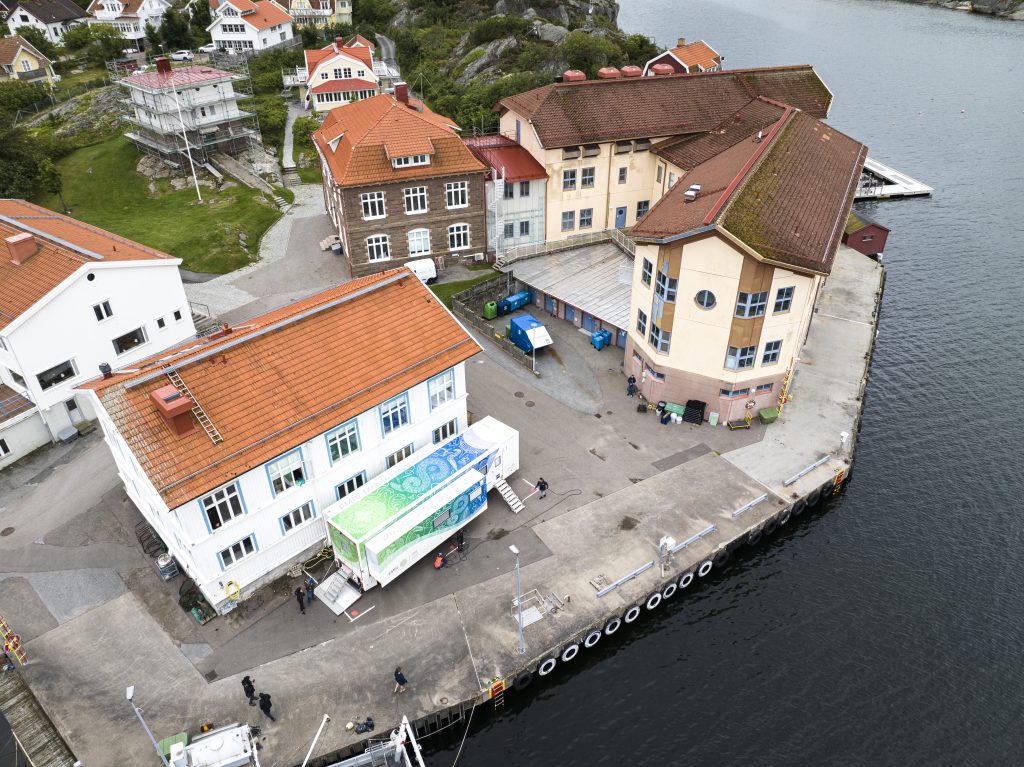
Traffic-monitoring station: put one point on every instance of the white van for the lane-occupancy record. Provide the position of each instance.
(424, 269)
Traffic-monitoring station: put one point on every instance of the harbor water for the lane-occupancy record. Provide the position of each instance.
(886, 628)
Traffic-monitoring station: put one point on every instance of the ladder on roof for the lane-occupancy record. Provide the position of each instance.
(197, 410)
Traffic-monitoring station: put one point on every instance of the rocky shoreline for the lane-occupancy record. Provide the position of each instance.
(1007, 9)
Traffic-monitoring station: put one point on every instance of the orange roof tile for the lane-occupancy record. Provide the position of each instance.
(315, 58)
(260, 14)
(698, 54)
(285, 377)
(366, 135)
(67, 244)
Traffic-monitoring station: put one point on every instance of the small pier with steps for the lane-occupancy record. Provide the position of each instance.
(880, 182)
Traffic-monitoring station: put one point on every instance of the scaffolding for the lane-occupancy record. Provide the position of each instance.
(190, 109)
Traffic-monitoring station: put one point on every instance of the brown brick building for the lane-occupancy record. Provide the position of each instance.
(400, 184)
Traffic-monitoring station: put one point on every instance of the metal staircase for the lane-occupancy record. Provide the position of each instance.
(197, 410)
(510, 496)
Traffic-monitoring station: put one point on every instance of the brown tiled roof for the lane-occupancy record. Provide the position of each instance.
(786, 197)
(687, 152)
(506, 156)
(593, 111)
(13, 403)
(285, 377)
(260, 14)
(9, 47)
(697, 54)
(369, 133)
(21, 286)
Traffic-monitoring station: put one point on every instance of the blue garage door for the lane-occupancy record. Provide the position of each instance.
(588, 323)
(570, 314)
(620, 339)
(549, 304)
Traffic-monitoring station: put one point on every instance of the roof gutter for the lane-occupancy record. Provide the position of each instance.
(675, 237)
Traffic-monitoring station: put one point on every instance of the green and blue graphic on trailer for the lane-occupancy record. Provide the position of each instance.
(407, 512)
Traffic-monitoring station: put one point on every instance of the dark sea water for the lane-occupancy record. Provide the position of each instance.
(887, 629)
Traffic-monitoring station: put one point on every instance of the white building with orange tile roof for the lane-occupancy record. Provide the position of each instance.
(129, 17)
(243, 25)
(72, 297)
(233, 447)
(338, 74)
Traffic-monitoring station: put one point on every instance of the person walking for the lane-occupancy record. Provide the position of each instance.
(631, 385)
(265, 705)
(542, 487)
(300, 597)
(250, 690)
(310, 585)
(400, 681)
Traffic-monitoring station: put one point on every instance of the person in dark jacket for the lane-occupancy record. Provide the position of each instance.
(310, 585)
(400, 680)
(250, 690)
(265, 705)
(542, 487)
(300, 597)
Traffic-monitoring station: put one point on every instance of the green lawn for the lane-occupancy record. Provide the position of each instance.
(102, 188)
(445, 290)
(310, 175)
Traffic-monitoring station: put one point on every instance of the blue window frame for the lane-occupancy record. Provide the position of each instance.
(733, 392)
(784, 299)
(394, 414)
(221, 506)
(751, 304)
(237, 551)
(343, 440)
(740, 357)
(297, 517)
(286, 471)
(771, 352)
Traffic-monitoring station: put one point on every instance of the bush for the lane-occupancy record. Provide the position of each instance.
(496, 28)
(302, 129)
(272, 113)
(588, 53)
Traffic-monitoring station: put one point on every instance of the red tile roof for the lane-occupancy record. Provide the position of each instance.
(260, 14)
(191, 74)
(506, 156)
(355, 54)
(594, 111)
(9, 47)
(13, 403)
(787, 197)
(368, 134)
(358, 40)
(697, 55)
(285, 377)
(352, 84)
(67, 244)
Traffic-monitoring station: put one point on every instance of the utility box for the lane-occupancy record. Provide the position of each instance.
(528, 334)
(490, 310)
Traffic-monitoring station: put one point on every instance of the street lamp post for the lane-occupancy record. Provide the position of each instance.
(129, 694)
(521, 649)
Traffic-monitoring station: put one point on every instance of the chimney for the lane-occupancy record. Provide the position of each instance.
(175, 408)
(692, 193)
(339, 43)
(21, 247)
(608, 73)
(163, 65)
(681, 42)
(105, 370)
(573, 76)
(631, 71)
(402, 93)
(663, 69)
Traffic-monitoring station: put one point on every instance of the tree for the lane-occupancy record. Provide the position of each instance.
(372, 16)
(19, 158)
(37, 40)
(640, 49)
(175, 31)
(107, 43)
(79, 37)
(50, 180)
(153, 35)
(201, 19)
(309, 36)
(15, 95)
(589, 53)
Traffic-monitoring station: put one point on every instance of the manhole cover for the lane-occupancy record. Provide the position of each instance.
(519, 395)
(209, 676)
(530, 403)
(6, 531)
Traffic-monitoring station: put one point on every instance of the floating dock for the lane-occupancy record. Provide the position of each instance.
(880, 182)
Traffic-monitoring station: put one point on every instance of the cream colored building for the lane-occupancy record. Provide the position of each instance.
(600, 140)
(19, 60)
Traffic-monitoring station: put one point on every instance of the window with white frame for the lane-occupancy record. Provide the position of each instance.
(458, 236)
(524, 188)
(407, 162)
(568, 220)
(568, 179)
(103, 311)
(394, 414)
(223, 505)
(287, 472)
(659, 174)
(236, 552)
(398, 456)
(442, 389)
(456, 194)
(623, 172)
(350, 485)
(751, 304)
(509, 231)
(587, 178)
(771, 352)
(509, 192)
(415, 199)
(296, 517)
(419, 242)
(343, 441)
(641, 322)
(740, 357)
(378, 247)
(665, 286)
(586, 218)
(660, 339)
(373, 205)
(57, 374)
(443, 432)
(783, 299)
(524, 228)
(127, 342)
(646, 270)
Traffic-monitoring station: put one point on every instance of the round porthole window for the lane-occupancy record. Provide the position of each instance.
(705, 299)
(90, 276)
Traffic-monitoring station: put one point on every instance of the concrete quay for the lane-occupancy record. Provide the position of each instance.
(619, 482)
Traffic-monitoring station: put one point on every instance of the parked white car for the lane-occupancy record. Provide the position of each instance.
(181, 56)
(208, 48)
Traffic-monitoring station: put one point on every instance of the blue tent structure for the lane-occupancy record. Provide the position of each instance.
(528, 334)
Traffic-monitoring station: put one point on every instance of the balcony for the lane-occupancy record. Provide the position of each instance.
(32, 74)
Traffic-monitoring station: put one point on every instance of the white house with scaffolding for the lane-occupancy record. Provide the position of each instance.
(188, 110)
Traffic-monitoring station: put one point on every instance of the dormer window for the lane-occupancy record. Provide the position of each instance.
(406, 162)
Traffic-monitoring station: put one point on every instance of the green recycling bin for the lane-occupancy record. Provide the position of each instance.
(490, 310)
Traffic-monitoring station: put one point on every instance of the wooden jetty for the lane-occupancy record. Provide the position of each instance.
(32, 728)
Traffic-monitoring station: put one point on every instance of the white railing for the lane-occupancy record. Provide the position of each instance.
(555, 246)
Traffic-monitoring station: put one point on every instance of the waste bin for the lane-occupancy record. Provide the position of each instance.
(597, 340)
(490, 310)
(336, 248)
(504, 307)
